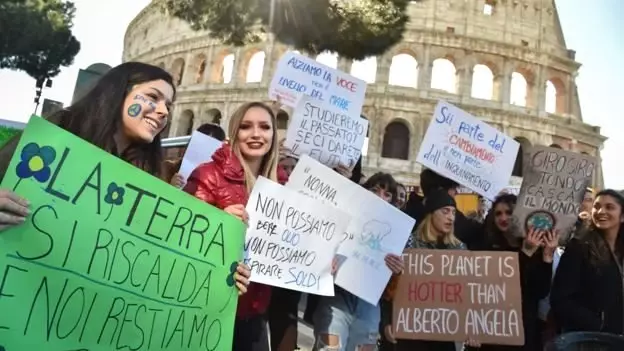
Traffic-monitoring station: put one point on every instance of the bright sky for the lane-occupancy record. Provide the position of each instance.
(595, 32)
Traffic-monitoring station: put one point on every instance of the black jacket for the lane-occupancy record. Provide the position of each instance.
(587, 292)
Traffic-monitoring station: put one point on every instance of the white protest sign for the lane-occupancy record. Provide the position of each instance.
(292, 239)
(376, 229)
(468, 151)
(326, 134)
(297, 76)
(199, 150)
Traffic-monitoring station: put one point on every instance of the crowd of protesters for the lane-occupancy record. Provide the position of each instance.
(577, 286)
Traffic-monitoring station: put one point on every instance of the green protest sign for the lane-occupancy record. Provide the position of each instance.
(110, 257)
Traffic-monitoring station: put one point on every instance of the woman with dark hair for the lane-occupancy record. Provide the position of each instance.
(345, 322)
(401, 198)
(123, 114)
(535, 254)
(587, 292)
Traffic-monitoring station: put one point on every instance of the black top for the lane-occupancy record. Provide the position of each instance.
(587, 292)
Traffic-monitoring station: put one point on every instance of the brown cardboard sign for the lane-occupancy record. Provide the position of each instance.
(552, 189)
(450, 295)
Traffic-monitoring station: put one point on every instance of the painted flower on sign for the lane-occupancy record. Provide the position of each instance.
(230, 278)
(35, 162)
(114, 197)
(114, 194)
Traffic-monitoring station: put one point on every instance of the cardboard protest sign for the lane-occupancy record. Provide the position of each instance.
(553, 186)
(9, 129)
(468, 151)
(292, 239)
(326, 134)
(376, 229)
(199, 150)
(297, 75)
(111, 257)
(448, 295)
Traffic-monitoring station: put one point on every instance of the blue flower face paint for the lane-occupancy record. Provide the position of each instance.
(134, 110)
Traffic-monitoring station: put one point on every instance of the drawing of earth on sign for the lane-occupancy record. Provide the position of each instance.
(373, 233)
(541, 220)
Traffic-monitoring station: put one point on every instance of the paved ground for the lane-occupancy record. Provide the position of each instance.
(306, 334)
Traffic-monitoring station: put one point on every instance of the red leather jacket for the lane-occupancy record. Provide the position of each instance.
(221, 183)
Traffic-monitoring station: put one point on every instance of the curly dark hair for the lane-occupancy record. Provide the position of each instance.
(494, 237)
(601, 254)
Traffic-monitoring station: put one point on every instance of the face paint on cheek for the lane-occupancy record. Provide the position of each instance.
(134, 110)
(140, 98)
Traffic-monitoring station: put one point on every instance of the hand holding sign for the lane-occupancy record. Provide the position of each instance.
(394, 263)
(550, 241)
(242, 275)
(178, 181)
(344, 171)
(106, 239)
(13, 209)
(532, 241)
(238, 211)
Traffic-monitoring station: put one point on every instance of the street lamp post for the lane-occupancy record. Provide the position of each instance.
(39, 85)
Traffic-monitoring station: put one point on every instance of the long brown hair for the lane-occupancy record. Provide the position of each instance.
(268, 167)
(601, 252)
(97, 117)
(494, 237)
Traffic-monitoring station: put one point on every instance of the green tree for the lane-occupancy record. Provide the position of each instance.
(36, 36)
(354, 29)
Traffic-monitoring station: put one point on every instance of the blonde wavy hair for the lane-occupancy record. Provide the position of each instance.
(424, 232)
(268, 167)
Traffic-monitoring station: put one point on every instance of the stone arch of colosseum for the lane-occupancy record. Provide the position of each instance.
(527, 92)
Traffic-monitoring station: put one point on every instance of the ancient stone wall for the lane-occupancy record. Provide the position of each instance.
(504, 61)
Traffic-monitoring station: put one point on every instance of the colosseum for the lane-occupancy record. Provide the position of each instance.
(505, 61)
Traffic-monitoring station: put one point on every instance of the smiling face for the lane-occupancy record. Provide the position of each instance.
(443, 220)
(607, 213)
(146, 110)
(502, 216)
(401, 197)
(255, 134)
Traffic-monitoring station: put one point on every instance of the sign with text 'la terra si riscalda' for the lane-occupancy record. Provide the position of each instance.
(110, 257)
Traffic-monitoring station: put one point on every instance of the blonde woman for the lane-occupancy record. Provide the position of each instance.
(435, 231)
(226, 183)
